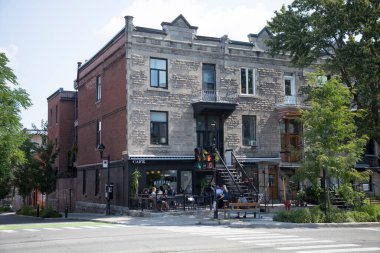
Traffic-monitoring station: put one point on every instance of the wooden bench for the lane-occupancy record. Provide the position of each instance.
(240, 207)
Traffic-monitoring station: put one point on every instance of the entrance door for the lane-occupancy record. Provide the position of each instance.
(210, 131)
(273, 182)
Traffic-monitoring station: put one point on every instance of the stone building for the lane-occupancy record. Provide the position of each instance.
(152, 96)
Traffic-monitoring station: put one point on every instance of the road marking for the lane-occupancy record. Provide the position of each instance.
(91, 227)
(318, 246)
(263, 237)
(107, 226)
(371, 229)
(304, 241)
(341, 250)
(31, 230)
(8, 231)
(52, 229)
(72, 228)
(270, 241)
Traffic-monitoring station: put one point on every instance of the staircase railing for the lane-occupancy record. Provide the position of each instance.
(229, 172)
(241, 168)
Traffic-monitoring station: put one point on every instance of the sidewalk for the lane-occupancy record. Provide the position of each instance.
(205, 218)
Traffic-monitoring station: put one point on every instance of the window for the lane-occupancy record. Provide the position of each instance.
(159, 128)
(208, 76)
(56, 114)
(289, 84)
(97, 181)
(98, 133)
(98, 88)
(158, 73)
(248, 81)
(84, 183)
(51, 117)
(249, 130)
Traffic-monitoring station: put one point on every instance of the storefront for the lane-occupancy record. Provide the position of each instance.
(175, 172)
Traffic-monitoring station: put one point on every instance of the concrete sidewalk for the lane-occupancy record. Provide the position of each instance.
(202, 218)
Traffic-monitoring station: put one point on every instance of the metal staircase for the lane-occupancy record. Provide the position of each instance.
(236, 179)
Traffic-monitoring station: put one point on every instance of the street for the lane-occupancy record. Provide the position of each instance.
(74, 236)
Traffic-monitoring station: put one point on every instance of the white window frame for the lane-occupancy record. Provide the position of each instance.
(247, 81)
(292, 80)
(98, 88)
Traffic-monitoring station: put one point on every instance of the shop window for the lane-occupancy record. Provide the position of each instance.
(186, 182)
(163, 178)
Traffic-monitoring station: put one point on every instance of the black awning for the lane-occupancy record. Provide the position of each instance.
(214, 108)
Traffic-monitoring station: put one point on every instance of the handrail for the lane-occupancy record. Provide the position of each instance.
(228, 170)
(245, 173)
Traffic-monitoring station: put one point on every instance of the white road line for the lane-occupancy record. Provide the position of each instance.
(72, 228)
(223, 233)
(52, 229)
(371, 229)
(263, 237)
(318, 246)
(107, 226)
(91, 227)
(8, 231)
(342, 250)
(242, 235)
(31, 230)
(310, 241)
(270, 241)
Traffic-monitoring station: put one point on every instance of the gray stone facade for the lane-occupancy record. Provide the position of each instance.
(185, 53)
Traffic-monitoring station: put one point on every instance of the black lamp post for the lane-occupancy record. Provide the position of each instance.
(109, 188)
(213, 146)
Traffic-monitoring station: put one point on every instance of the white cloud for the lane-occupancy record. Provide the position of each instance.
(236, 19)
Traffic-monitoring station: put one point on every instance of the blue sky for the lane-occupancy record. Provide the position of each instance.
(45, 39)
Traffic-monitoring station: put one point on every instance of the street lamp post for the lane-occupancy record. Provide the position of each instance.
(213, 146)
(109, 188)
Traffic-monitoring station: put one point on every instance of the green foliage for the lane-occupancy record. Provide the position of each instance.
(313, 194)
(356, 216)
(11, 134)
(48, 175)
(346, 34)
(372, 210)
(330, 134)
(27, 210)
(5, 209)
(50, 213)
(350, 196)
(302, 215)
(26, 174)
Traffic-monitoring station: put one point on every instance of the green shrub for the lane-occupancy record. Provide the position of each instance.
(316, 215)
(5, 209)
(372, 210)
(357, 216)
(50, 213)
(336, 216)
(27, 210)
(296, 216)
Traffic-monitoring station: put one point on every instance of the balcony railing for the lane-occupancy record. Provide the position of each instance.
(210, 96)
(289, 100)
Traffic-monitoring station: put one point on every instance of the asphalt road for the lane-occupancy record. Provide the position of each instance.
(101, 237)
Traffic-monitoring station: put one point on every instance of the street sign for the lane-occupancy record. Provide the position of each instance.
(105, 164)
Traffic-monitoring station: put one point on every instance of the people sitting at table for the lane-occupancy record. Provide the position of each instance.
(162, 203)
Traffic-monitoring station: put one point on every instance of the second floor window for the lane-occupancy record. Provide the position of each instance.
(249, 130)
(290, 88)
(56, 114)
(247, 81)
(159, 128)
(208, 77)
(98, 88)
(51, 117)
(158, 73)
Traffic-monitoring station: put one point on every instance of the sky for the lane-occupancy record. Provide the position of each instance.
(44, 39)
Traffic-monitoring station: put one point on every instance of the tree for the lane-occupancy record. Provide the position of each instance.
(332, 145)
(26, 174)
(46, 155)
(346, 35)
(11, 134)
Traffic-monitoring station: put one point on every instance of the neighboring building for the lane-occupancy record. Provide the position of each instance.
(152, 96)
(61, 131)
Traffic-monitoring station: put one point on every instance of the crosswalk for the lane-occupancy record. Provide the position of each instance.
(279, 241)
(34, 230)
